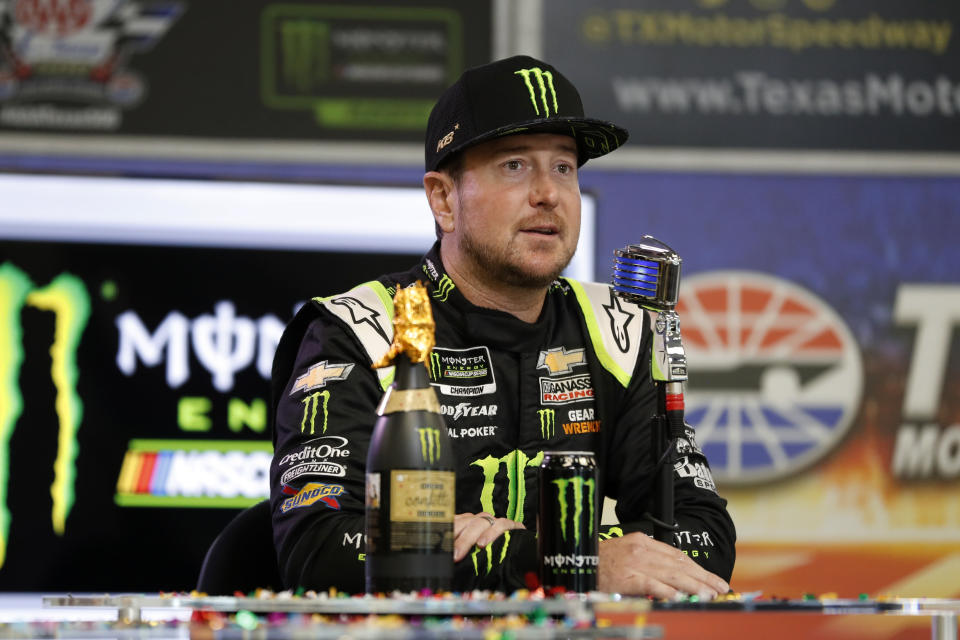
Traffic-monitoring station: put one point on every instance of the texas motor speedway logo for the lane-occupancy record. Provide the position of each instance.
(775, 375)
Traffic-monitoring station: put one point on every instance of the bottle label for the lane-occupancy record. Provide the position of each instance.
(422, 505)
(421, 496)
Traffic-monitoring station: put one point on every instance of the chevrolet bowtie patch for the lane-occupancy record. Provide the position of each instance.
(559, 360)
(318, 375)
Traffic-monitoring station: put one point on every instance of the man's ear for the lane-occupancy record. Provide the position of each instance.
(439, 188)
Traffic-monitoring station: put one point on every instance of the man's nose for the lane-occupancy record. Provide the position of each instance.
(543, 190)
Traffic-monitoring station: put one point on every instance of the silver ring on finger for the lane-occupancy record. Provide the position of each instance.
(488, 519)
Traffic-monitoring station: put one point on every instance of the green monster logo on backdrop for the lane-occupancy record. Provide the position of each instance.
(69, 301)
(429, 444)
(539, 75)
(305, 50)
(562, 496)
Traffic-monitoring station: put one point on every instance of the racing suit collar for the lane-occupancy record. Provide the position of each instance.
(486, 326)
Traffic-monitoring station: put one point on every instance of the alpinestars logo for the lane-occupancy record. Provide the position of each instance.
(619, 319)
(361, 313)
(538, 83)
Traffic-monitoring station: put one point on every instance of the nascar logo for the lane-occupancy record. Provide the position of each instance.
(194, 473)
(776, 376)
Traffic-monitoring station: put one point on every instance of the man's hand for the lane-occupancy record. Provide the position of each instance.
(636, 564)
(478, 529)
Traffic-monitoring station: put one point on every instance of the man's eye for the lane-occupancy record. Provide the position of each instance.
(513, 165)
(565, 168)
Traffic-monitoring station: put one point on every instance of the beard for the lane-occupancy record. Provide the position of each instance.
(506, 265)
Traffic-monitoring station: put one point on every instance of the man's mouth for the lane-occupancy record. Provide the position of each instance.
(546, 230)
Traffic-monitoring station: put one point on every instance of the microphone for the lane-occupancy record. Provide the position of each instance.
(648, 274)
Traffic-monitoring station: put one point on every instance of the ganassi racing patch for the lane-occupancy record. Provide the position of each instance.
(566, 390)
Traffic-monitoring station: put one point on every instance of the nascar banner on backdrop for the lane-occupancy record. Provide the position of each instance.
(821, 74)
(134, 402)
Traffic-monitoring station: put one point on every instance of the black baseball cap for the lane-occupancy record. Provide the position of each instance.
(515, 95)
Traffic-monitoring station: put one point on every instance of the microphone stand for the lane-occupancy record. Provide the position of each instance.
(648, 274)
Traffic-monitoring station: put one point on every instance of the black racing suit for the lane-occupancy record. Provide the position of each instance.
(577, 379)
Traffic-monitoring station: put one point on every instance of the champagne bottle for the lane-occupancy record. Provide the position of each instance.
(410, 481)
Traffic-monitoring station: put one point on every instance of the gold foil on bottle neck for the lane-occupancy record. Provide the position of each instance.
(407, 400)
(413, 326)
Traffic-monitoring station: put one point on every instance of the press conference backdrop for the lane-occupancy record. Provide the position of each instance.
(819, 310)
(819, 314)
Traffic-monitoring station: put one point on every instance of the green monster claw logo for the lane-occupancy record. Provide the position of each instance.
(434, 365)
(310, 410)
(444, 287)
(429, 444)
(548, 422)
(514, 464)
(539, 75)
(69, 301)
(577, 484)
(305, 54)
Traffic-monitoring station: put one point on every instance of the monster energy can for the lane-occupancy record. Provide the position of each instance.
(568, 520)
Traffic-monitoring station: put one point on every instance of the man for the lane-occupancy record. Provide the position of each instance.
(524, 363)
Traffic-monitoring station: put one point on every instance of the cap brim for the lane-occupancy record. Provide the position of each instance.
(594, 138)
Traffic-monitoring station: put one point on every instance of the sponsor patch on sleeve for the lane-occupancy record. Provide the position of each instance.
(319, 374)
(697, 471)
(312, 493)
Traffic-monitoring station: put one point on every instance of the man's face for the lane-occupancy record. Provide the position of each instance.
(519, 208)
